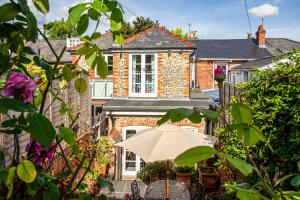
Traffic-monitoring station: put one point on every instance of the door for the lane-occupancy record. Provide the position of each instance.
(131, 163)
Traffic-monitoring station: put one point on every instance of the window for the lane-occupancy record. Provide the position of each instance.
(143, 75)
(109, 60)
(102, 89)
(224, 67)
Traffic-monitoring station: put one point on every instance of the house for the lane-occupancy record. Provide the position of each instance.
(276, 46)
(227, 53)
(151, 73)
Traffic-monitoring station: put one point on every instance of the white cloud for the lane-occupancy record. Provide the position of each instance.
(264, 10)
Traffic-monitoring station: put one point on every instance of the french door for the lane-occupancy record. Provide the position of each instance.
(131, 163)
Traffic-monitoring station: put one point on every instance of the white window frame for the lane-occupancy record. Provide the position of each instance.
(138, 159)
(106, 60)
(105, 82)
(143, 94)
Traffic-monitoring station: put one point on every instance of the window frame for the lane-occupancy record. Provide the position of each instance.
(93, 88)
(143, 75)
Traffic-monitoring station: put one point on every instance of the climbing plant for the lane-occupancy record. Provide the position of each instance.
(27, 80)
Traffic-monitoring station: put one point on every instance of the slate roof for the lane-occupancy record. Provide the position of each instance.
(154, 105)
(229, 49)
(42, 48)
(281, 45)
(156, 37)
(255, 63)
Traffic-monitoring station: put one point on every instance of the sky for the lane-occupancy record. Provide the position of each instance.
(217, 19)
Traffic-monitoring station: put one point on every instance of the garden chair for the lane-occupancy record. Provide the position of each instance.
(135, 191)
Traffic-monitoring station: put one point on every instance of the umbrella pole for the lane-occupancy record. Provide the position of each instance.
(168, 181)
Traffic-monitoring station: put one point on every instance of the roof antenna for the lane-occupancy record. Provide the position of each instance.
(248, 16)
(262, 21)
(189, 27)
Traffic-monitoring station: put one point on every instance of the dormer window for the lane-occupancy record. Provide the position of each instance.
(143, 75)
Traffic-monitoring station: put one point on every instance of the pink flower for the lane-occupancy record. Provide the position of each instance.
(219, 74)
(19, 86)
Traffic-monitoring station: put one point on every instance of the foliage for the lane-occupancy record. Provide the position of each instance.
(274, 97)
(155, 168)
(279, 84)
(138, 25)
(28, 80)
(104, 149)
(179, 33)
(59, 30)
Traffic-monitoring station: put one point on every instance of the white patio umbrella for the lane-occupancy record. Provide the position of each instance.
(164, 143)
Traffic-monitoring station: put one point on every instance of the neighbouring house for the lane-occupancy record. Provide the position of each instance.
(151, 73)
(276, 46)
(236, 56)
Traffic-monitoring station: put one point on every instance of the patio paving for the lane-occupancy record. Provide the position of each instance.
(121, 188)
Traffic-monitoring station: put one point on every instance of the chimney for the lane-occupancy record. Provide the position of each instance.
(261, 36)
(249, 35)
(193, 35)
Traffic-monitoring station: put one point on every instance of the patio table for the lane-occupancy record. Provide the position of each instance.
(157, 191)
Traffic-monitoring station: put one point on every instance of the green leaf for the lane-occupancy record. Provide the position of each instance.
(102, 68)
(41, 5)
(164, 119)
(295, 182)
(51, 192)
(211, 115)
(75, 13)
(96, 35)
(283, 179)
(8, 12)
(42, 63)
(99, 6)
(93, 14)
(67, 134)
(16, 105)
(116, 19)
(3, 172)
(41, 128)
(80, 85)
(82, 24)
(26, 171)
(239, 164)
(31, 31)
(179, 114)
(298, 164)
(86, 50)
(247, 194)
(118, 38)
(195, 117)
(38, 183)
(63, 108)
(9, 123)
(91, 60)
(194, 155)
(103, 183)
(68, 74)
(10, 181)
(241, 113)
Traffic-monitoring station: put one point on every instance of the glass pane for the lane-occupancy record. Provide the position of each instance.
(136, 73)
(130, 156)
(102, 89)
(149, 76)
(130, 133)
(130, 166)
(109, 60)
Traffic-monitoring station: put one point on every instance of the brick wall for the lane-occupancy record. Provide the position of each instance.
(120, 74)
(204, 73)
(173, 75)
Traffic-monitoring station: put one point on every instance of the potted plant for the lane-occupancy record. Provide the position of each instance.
(104, 155)
(209, 177)
(153, 172)
(184, 175)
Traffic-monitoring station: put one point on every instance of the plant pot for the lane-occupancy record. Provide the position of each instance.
(208, 177)
(154, 177)
(184, 178)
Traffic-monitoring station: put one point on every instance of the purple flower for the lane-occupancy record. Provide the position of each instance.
(39, 155)
(19, 86)
(219, 74)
